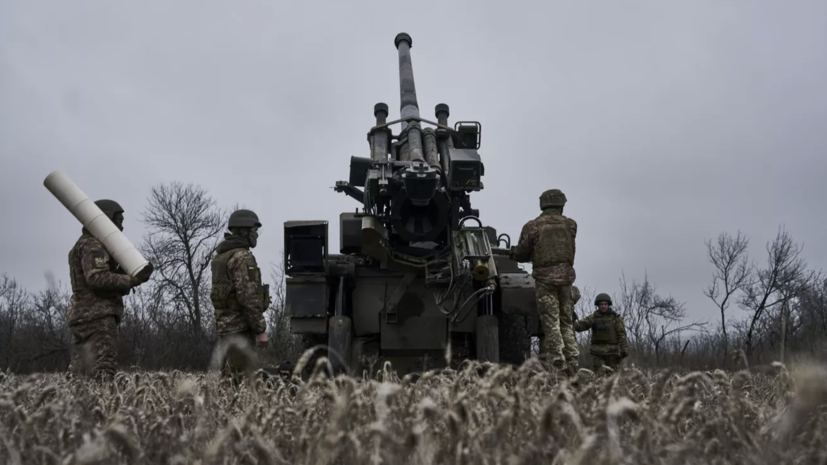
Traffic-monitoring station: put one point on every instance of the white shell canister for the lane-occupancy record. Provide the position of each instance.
(95, 221)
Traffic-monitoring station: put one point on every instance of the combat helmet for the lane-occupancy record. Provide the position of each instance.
(243, 219)
(109, 208)
(552, 198)
(602, 297)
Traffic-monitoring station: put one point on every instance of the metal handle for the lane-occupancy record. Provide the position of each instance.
(500, 239)
(462, 221)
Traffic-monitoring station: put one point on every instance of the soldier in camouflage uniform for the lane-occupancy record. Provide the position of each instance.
(237, 294)
(96, 306)
(609, 345)
(548, 242)
(570, 349)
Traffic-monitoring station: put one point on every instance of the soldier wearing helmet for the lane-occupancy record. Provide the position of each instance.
(548, 242)
(609, 345)
(238, 295)
(96, 306)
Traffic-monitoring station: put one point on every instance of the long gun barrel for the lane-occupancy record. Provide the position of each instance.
(415, 186)
(407, 88)
(421, 145)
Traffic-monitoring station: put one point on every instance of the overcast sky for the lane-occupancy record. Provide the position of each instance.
(664, 123)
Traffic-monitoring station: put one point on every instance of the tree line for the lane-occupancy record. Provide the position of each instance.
(768, 310)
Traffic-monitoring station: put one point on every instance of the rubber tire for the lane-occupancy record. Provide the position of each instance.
(515, 341)
(308, 341)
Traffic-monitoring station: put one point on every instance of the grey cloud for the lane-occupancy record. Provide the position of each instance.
(664, 122)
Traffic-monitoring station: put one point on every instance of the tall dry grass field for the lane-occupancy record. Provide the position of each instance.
(470, 416)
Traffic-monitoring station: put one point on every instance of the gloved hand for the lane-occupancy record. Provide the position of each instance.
(623, 354)
(143, 275)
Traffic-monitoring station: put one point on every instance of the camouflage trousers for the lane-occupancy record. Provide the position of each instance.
(605, 355)
(600, 361)
(558, 345)
(235, 356)
(95, 348)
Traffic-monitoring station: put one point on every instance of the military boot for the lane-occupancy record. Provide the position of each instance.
(556, 364)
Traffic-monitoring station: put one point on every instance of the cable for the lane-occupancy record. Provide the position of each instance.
(450, 283)
(466, 277)
(467, 312)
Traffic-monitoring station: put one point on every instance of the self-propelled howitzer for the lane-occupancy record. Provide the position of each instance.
(412, 275)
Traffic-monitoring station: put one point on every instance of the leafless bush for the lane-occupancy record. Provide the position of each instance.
(651, 320)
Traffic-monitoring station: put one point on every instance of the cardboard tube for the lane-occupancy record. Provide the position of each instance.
(96, 222)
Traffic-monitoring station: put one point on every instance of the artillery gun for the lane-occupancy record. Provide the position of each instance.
(412, 275)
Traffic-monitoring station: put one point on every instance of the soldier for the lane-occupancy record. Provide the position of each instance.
(548, 242)
(237, 294)
(96, 306)
(570, 349)
(609, 345)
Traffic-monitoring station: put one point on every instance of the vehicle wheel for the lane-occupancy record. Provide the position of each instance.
(309, 341)
(515, 341)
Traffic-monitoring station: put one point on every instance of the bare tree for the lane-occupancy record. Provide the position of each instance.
(185, 227)
(650, 318)
(794, 312)
(583, 308)
(144, 314)
(784, 317)
(49, 311)
(13, 302)
(732, 273)
(812, 316)
(783, 278)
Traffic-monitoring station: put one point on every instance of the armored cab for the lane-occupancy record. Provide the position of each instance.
(416, 269)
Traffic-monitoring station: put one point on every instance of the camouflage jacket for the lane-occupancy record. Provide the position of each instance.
(237, 294)
(548, 242)
(608, 331)
(98, 282)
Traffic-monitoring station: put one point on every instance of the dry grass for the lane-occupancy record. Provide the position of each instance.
(496, 417)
